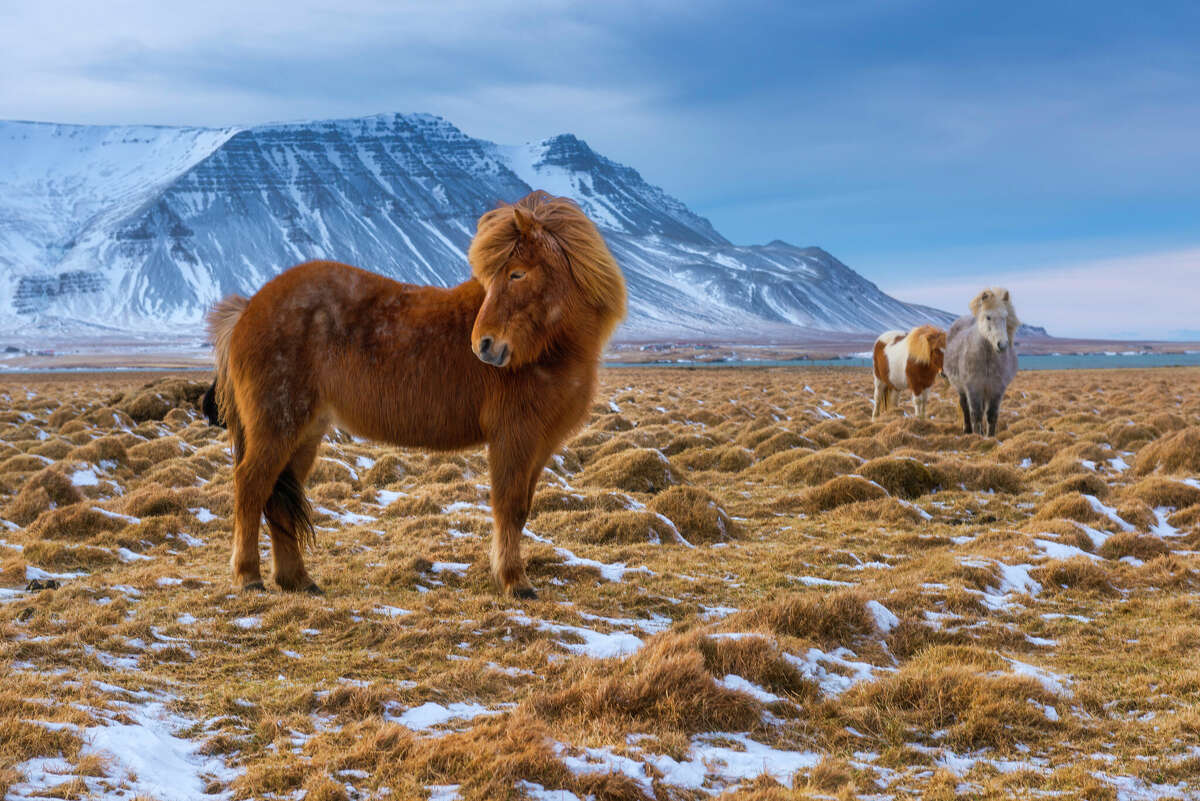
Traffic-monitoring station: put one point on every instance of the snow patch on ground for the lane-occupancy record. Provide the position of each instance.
(596, 645)
(608, 571)
(143, 755)
(431, 714)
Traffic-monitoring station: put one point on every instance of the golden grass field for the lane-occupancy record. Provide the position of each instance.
(748, 590)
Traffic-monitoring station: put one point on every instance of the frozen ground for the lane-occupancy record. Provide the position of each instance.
(748, 590)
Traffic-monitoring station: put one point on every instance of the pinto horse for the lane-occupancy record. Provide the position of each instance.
(911, 361)
(507, 358)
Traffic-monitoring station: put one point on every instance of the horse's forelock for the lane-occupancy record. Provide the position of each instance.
(559, 226)
(997, 298)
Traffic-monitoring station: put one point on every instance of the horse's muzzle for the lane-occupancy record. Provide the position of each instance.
(491, 353)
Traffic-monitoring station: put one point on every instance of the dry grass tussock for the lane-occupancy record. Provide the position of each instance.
(1177, 454)
(772, 598)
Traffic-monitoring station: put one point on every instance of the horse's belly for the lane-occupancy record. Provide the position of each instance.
(411, 423)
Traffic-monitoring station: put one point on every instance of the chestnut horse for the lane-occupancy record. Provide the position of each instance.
(507, 358)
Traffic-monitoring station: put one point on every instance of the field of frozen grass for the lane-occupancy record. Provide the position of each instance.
(748, 590)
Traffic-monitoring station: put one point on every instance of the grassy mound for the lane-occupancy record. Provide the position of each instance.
(686, 442)
(725, 458)
(819, 467)
(759, 660)
(979, 476)
(879, 512)
(1071, 506)
(783, 441)
(154, 500)
(387, 469)
(1177, 453)
(666, 683)
(1132, 543)
(1087, 484)
(938, 692)
(695, 512)
(632, 470)
(1156, 491)
(827, 618)
(45, 490)
(828, 432)
(1076, 573)
(904, 478)
(77, 523)
(832, 494)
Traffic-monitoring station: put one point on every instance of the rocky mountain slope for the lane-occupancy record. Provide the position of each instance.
(142, 228)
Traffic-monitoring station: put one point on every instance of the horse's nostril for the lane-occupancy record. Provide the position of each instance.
(485, 345)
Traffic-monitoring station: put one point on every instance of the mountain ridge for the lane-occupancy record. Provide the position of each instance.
(141, 228)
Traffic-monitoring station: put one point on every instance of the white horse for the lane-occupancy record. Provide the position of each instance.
(907, 361)
(981, 358)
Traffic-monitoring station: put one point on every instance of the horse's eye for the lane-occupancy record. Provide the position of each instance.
(516, 275)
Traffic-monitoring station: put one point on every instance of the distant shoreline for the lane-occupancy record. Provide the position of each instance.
(1029, 361)
(835, 350)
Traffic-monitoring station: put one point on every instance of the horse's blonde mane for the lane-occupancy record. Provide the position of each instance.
(593, 267)
(923, 341)
(994, 298)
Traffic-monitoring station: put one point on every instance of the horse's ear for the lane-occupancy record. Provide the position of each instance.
(977, 303)
(1004, 297)
(523, 219)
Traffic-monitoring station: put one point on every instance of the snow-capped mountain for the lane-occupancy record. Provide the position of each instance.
(143, 228)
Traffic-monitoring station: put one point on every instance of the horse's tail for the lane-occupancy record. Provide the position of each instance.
(221, 321)
(209, 405)
(286, 510)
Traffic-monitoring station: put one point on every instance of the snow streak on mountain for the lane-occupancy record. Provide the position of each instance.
(143, 228)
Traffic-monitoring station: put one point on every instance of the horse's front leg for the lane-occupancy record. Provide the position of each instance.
(993, 414)
(919, 403)
(976, 404)
(514, 472)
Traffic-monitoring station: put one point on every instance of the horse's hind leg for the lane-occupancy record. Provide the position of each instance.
(254, 478)
(919, 403)
(880, 398)
(287, 518)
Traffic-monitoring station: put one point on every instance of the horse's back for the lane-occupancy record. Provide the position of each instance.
(956, 346)
(390, 361)
(885, 358)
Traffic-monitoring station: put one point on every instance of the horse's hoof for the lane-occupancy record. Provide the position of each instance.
(254, 586)
(525, 593)
(313, 589)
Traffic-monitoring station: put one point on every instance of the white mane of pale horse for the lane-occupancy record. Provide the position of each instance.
(994, 298)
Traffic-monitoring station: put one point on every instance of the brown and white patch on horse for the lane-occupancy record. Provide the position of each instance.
(920, 376)
(880, 358)
(926, 356)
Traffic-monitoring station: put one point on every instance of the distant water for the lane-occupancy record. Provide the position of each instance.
(1053, 361)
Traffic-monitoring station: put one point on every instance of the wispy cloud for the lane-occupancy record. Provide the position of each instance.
(1148, 296)
(890, 132)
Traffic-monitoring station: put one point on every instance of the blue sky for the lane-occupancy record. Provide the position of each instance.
(932, 146)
